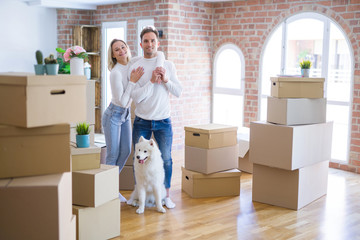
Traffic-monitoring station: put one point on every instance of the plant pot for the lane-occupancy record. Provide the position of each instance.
(305, 72)
(39, 69)
(52, 69)
(76, 66)
(83, 141)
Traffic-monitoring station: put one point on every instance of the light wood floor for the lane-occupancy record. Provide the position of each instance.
(334, 216)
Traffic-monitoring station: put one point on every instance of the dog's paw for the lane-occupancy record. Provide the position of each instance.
(134, 203)
(140, 210)
(161, 209)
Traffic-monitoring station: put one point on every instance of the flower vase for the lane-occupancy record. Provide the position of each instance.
(76, 66)
(83, 141)
(305, 72)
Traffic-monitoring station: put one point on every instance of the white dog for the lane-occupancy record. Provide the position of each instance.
(149, 175)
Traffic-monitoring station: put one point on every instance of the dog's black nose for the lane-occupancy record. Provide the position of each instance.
(138, 157)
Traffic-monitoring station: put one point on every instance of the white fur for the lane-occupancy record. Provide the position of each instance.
(149, 175)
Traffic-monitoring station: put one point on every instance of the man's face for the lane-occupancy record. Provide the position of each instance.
(149, 44)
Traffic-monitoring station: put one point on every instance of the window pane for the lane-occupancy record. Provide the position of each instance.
(271, 61)
(340, 116)
(304, 42)
(338, 82)
(228, 70)
(228, 109)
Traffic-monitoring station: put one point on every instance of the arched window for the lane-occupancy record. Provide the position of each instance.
(316, 37)
(228, 86)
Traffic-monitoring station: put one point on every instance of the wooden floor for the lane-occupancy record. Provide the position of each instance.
(334, 216)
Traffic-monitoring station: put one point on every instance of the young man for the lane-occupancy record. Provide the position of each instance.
(152, 103)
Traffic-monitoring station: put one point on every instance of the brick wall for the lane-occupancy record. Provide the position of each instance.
(194, 31)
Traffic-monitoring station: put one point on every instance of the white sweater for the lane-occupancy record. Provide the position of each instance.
(152, 99)
(120, 89)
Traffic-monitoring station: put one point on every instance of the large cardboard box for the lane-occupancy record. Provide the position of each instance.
(102, 222)
(210, 136)
(198, 185)
(211, 160)
(34, 151)
(290, 189)
(127, 178)
(296, 111)
(71, 233)
(297, 87)
(290, 147)
(94, 187)
(36, 207)
(85, 158)
(28, 100)
(243, 139)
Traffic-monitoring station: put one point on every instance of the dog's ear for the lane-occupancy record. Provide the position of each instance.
(141, 139)
(152, 142)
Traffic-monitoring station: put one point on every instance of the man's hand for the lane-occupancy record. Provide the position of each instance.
(161, 73)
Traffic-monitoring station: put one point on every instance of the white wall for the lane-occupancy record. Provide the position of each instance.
(23, 30)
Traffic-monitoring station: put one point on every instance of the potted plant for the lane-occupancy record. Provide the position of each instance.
(51, 65)
(76, 55)
(83, 135)
(39, 67)
(305, 66)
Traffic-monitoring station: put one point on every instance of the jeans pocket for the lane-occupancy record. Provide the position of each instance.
(117, 117)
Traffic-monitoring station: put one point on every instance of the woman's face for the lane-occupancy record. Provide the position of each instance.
(119, 51)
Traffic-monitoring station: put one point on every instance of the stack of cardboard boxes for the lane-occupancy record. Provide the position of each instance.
(291, 151)
(211, 161)
(35, 160)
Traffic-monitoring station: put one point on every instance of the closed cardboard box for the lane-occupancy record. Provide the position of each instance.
(211, 160)
(94, 187)
(296, 111)
(297, 87)
(243, 138)
(245, 165)
(36, 207)
(127, 178)
(290, 147)
(34, 151)
(199, 185)
(290, 189)
(28, 100)
(85, 158)
(210, 136)
(102, 222)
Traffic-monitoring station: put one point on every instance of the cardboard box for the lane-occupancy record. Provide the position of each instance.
(71, 233)
(36, 207)
(290, 147)
(41, 100)
(34, 151)
(243, 139)
(127, 178)
(210, 136)
(94, 187)
(295, 111)
(297, 87)
(90, 102)
(102, 222)
(211, 160)
(85, 158)
(198, 185)
(290, 189)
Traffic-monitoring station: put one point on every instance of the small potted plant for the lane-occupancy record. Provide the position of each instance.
(76, 56)
(39, 67)
(51, 65)
(305, 66)
(83, 135)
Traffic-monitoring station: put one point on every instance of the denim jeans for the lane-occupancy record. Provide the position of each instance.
(163, 135)
(117, 129)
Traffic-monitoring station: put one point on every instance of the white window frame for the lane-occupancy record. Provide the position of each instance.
(326, 41)
(104, 65)
(140, 25)
(228, 91)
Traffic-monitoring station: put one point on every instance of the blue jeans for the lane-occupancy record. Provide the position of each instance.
(163, 135)
(117, 129)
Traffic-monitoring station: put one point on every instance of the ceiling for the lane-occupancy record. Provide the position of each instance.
(85, 4)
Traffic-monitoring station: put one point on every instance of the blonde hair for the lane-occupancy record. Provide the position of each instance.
(111, 60)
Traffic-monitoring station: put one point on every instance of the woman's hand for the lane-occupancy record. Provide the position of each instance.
(136, 74)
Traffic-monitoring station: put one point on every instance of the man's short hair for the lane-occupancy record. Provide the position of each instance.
(149, 29)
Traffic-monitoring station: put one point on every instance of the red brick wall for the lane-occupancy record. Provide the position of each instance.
(193, 32)
(249, 23)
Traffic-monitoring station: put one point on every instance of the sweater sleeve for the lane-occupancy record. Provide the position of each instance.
(173, 85)
(116, 86)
